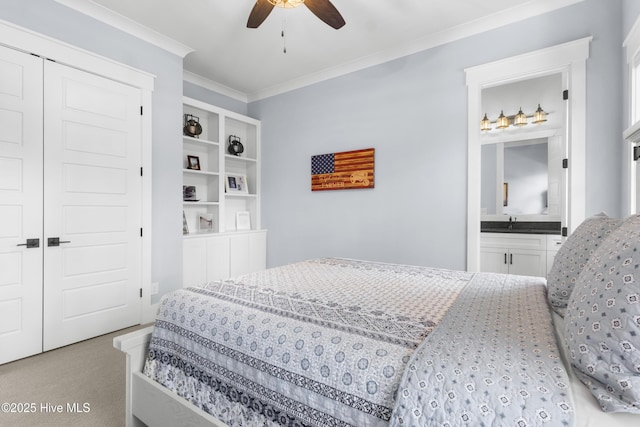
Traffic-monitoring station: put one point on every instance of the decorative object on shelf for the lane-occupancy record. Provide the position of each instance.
(192, 126)
(236, 184)
(342, 171)
(189, 193)
(185, 227)
(243, 221)
(520, 119)
(205, 221)
(193, 162)
(235, 146)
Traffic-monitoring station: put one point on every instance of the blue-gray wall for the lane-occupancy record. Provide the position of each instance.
(414, 112)
(52, 19)
(411, 110)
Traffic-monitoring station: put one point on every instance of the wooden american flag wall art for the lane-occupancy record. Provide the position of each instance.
(343, 171)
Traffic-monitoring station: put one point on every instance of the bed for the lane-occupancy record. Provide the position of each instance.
(340, 342)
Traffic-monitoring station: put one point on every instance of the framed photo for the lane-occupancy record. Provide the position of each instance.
(243, 221)
(205, 221)
(236, 184)
(193, 162)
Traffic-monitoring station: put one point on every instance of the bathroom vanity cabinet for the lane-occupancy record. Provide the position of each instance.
(517, 253)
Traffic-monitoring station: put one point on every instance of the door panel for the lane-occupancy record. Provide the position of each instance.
(20, 204)
(92, 200)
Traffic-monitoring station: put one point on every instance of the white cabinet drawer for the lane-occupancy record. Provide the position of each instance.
(519, 241)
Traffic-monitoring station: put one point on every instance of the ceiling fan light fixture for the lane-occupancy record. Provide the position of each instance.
(286, 3)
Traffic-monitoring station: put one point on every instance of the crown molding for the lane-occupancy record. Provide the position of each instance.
(505, 17)
(122, 23)
(206, 83)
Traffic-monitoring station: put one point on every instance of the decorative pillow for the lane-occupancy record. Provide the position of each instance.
(602, 321)
(573, 256)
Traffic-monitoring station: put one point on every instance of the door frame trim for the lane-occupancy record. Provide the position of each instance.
(568, 58)
(16, 37)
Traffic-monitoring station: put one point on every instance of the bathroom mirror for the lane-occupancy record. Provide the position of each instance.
(521, 179)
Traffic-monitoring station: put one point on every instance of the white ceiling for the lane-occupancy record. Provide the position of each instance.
(250, 64)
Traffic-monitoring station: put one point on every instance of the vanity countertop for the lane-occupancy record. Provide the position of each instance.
(521, 227)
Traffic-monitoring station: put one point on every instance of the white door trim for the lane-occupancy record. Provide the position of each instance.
(570, 59)
(20, 38)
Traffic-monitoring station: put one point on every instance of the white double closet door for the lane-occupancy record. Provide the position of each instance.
(70, 205)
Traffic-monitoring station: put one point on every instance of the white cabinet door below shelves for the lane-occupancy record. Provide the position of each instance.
(247, 253)
(220, 256)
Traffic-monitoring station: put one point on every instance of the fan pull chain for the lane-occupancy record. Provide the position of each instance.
(284, 42)
(284, 38)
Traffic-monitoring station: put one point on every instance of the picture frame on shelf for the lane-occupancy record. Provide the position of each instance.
(243, 221)
(205, 222)
(193, 162)
(236, 184)
(189, 193)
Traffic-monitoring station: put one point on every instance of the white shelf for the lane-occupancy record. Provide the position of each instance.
(196, 141)
(230, 158)
(219, 126)
(241, 195)
(200, 172)
(201, 203)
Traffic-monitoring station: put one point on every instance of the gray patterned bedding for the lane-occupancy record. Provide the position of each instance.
(332, 342)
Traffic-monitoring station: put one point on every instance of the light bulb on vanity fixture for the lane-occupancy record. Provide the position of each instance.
(539, 116)
(520, 119)
(485, 124)
(503, 121)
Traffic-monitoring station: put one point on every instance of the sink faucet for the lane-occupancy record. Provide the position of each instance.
(511, 222)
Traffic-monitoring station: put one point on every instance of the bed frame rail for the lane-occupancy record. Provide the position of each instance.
(147, 402)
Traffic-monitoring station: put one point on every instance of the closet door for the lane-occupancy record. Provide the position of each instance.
(20, 204)
(92, 188)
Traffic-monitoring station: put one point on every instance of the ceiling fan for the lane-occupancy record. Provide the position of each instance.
(323, 9)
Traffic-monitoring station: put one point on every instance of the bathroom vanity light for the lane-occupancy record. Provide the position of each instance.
(485, 124)
(519, 119)
(503, 121)
(539, 116)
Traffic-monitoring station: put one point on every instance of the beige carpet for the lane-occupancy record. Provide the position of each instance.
(75, 386)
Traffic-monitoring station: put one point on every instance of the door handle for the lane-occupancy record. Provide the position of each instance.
(511, 259)
(31, 243)
(55, 241)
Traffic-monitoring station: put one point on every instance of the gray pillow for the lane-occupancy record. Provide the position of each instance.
(573, 256)
(602, 321)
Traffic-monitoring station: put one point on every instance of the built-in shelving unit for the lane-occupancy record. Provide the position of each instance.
(227, 247)
(212, 196)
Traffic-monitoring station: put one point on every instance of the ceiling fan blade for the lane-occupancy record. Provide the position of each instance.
(259, 13)
(326, 11)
